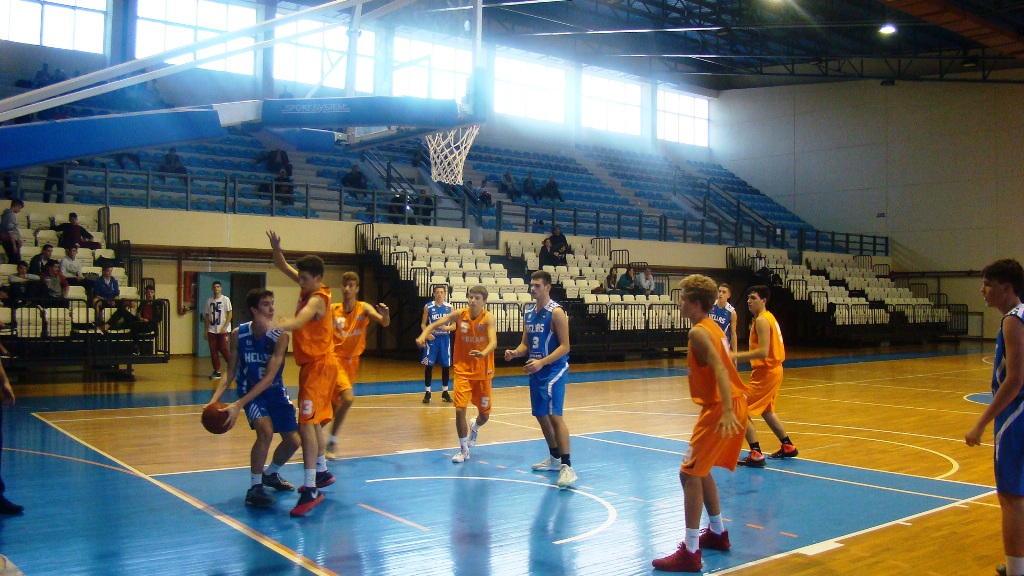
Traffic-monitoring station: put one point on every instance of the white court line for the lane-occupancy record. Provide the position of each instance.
(612, 513)
(877, 404)
(266, 541)
(955, 466)
(881, 431)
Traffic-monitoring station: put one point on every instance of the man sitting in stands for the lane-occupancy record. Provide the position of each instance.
(276, 160)
(71, 269)
(38, 262)
(508, 186)
(22, 286)
(355, 182)
(551, 190)
(105, 292)
(71, 234)
(53, 285)
(482, 195)
(646, 283)
(560, 245)
(547, 254)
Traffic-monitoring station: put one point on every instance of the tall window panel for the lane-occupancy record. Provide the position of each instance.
(167, 24)
(529, 90)
(430, 70)
(682, 118)
(610, 104)
(322, 54)
(69, 24)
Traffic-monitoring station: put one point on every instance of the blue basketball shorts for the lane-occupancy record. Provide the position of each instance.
(437, 351)
(1009, 449)
(273, 402)
(547, 390)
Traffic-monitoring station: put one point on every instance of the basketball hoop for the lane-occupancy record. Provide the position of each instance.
(448, 151)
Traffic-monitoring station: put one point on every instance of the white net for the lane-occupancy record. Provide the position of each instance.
(448, 151)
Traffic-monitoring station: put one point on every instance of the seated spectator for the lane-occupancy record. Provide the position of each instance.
(530, 189)
(172, 165)
(627, 283)
(10, 236)
(646, 283)
(128, 161)
(71, 269)
(609, 284)
(483, 196)
(149, 312)
(43, 77)
(38, 262)
(551, 190)
(424, 209)
(560, 244)
(547, 254)
(355, 182)
(284, 190)
(508, 186)
(398, 208)
(72, 234)
(23, 286)
(275, 161)
(105, 291)
(53, 287)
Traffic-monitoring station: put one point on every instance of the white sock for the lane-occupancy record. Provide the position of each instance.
(272, 469)
(333, 439)
(474, 426)
(1014, 566)
(256, 479)
(321, 463)
(444, 388)
(716, 524)
(692, 539)
(310, 480)
(464, 444)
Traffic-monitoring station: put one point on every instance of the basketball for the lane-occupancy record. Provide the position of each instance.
(214, 420)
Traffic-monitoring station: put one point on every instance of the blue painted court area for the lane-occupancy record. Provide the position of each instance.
(417, 513)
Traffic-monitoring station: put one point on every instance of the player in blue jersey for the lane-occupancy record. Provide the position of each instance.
(438, 350)
(1002, 286)
(724, 314)
(546, 340)
(256, 364)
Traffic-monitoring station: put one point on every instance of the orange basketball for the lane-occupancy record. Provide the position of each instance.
(215, 421)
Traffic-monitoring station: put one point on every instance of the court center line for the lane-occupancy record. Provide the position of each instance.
(396, 518)
(272, 545)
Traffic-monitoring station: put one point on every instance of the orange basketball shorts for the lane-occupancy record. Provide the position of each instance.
(317, 382)
(763, 390)
(476, 391)
(707, 446)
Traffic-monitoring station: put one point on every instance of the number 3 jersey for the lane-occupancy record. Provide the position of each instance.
(542, 338)
(253, 355)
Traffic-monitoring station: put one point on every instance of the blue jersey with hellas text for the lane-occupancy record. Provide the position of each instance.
(253, 355)
(434, 313)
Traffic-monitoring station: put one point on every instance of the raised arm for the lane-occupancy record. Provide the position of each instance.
(279, 260)
(380, 313)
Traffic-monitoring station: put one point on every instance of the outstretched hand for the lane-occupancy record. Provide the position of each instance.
(275, 240)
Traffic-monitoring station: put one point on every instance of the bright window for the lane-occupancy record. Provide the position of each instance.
(69, 24)
(529, 90)
(610, 104)
(430, 70)
(322, 54)
(682, 118)
(167, 24)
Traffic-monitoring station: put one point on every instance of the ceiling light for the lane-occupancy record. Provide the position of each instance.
(888, 28)
(970, 62)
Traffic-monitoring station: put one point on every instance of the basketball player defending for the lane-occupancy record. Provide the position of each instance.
(476, 337)
(546, 339)
(256, 361)
(351, 319)
(437, 350)
(1002, 286)
(313, 335)
(766, 355)
(716, 387)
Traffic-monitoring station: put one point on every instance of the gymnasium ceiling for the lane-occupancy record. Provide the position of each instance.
(723, 45)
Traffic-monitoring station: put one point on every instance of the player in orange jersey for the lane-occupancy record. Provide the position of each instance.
(766, 353)
(476, 337)
(351, 318)
(716, 441)
(312, 331)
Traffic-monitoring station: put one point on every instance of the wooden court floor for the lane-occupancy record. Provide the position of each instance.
(903, 411)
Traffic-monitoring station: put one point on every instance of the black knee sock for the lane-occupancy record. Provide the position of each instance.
(428, 374)
(444, 377)
(755, 446)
